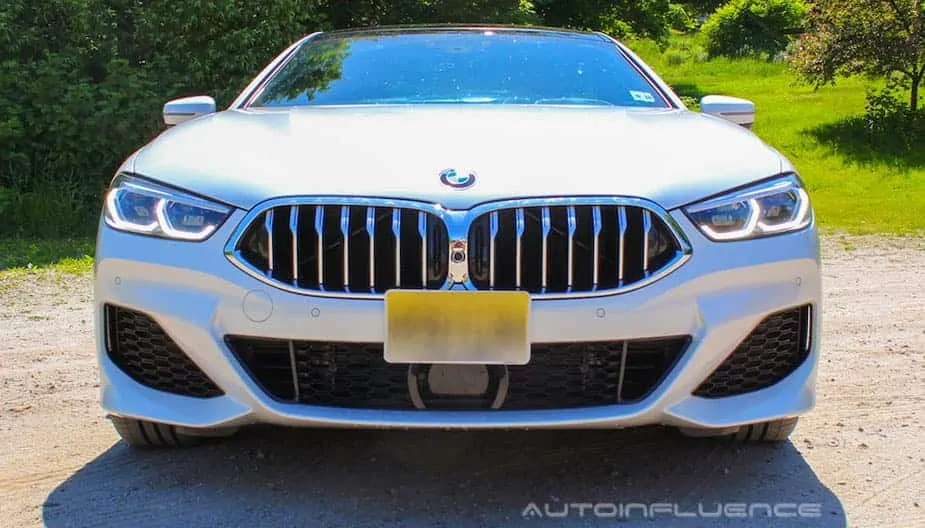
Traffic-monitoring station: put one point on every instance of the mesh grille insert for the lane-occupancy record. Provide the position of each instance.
(141, 349)
(771, 352)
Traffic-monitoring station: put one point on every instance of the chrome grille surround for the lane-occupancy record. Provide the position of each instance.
(447, 273)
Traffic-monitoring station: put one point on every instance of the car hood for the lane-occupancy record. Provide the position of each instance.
(672, 157)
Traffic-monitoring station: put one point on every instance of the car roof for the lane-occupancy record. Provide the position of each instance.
(462, 28)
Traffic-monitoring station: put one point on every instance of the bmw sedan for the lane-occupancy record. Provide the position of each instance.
(457, 228)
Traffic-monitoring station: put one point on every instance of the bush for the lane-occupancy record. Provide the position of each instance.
(753, 27)
(890, 123)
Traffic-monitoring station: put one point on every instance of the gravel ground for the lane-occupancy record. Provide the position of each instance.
(860, 454)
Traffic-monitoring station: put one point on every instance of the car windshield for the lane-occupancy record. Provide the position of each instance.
(458, 67)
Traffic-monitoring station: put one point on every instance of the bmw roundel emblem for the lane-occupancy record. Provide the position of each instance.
(456, 179)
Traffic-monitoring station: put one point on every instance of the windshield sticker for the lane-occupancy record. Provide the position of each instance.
(645, 97)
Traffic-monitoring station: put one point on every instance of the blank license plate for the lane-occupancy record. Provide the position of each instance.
(457, 327)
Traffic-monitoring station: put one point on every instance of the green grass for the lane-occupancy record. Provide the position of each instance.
(853, 189)
(70, 255)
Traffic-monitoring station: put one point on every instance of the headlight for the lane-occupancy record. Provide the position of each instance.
(139, 206)
(769, 208)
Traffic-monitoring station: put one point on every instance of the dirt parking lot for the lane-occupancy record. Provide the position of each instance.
(860, 454)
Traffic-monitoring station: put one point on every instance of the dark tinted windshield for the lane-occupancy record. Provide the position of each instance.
(467, 66)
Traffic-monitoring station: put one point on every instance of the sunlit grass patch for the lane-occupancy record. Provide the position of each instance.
(69, 255)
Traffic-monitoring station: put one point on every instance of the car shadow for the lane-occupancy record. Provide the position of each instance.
(293, 477)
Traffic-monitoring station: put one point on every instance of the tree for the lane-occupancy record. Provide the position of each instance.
(881, 38)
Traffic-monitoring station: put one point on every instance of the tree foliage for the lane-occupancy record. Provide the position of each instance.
(680, 19)
(703, 7)
(353, 13)
(749, 27)
(642, 18)
(82, 82)
(882, 38)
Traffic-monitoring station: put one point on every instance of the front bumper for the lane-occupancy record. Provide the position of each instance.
(198, 297)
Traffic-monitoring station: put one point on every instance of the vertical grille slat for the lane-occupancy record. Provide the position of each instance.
(547, 227)
(622, 373)
(646, 236)
(521, 228)
(596, 253)
(492, 256)
(621, 267)
(268, 228)
(396, 232)
(422, 232)
(546, 247)
(294, 236)
(319, 235)
(572, 226)
(371, 233)
(345, 234)
(295, 371)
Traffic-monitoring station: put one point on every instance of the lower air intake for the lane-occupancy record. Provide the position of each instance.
(774, 349)
(141, 349)
(559, 376)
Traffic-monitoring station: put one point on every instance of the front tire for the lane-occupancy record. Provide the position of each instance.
(152, 435)
(764, 432)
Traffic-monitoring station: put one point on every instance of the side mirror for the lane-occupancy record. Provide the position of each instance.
(739, 111)
(186, 108)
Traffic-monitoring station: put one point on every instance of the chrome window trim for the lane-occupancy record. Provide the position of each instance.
(458, 222)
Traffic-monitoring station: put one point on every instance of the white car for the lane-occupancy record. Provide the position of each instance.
(463, 228)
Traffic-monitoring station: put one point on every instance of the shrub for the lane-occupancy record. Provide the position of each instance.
(753, 27)
(888, 119)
